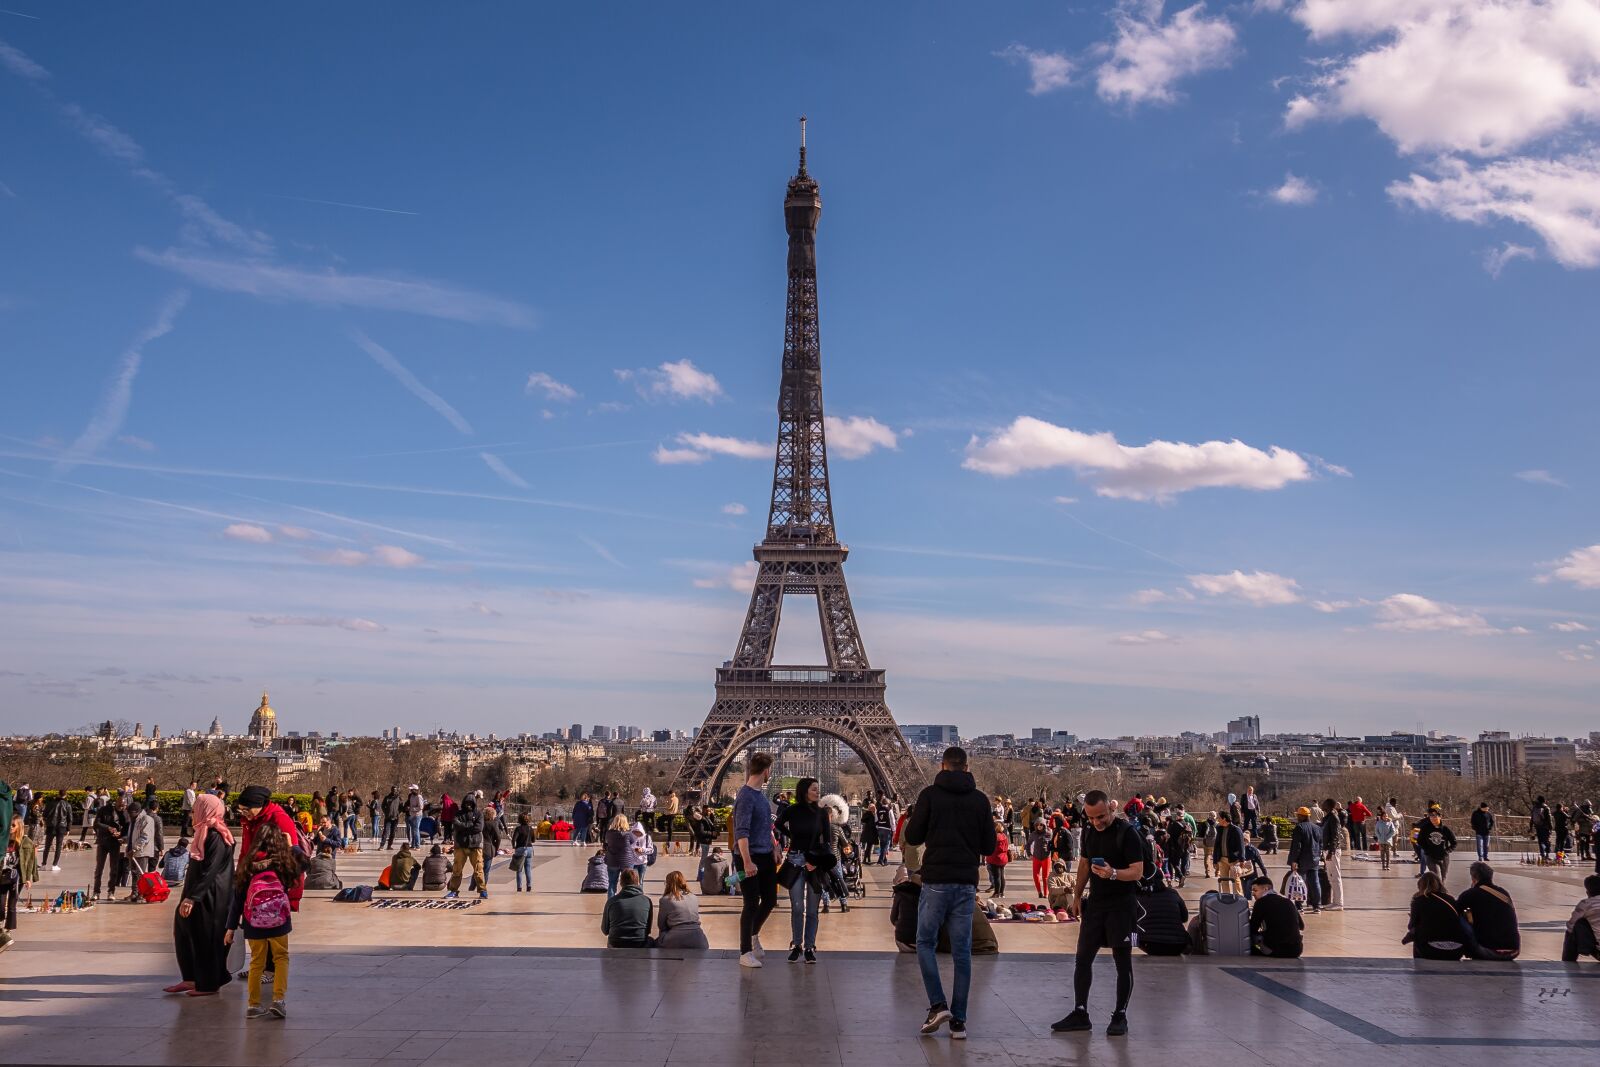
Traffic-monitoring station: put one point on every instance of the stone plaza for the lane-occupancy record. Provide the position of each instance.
(525, 978)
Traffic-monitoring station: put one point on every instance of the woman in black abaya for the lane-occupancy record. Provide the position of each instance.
(203, 911)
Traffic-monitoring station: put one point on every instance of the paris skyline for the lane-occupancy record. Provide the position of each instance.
(1159, 393)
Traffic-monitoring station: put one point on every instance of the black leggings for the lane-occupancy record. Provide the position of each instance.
(1106, 926)
(760, 890)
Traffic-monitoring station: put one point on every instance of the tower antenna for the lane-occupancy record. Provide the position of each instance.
(802, 144)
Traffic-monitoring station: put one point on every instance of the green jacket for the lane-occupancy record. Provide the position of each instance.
(626, 920)
(7, 806)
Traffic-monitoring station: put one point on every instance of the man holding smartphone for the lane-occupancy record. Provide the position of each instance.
(1113, 855)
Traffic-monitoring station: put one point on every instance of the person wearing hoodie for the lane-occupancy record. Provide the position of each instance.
(141, 848)
(951, 819)
(467, 830)
(435, 869)
(1038, 848)
(175, 861)
(626, 919)
(647, 810)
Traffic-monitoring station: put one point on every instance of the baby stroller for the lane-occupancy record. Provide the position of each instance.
(847, 873)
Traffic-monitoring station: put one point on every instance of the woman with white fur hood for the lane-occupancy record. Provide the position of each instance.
(839, 821)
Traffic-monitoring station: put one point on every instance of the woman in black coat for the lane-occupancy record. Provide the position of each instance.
(1436, 931)
(202, 914)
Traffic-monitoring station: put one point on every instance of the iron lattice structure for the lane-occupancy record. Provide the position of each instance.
(801, 554)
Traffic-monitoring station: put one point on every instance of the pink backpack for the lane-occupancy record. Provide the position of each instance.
(266, 904)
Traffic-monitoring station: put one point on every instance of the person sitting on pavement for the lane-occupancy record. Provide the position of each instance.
(1583, 928)
(679, 916)
(435, 870)
(323, 872)
(595, 878)
(1488, 910)
(404, 868)
(1275, 923)
(1160, 918)
(626, 920)
(714, 875)
(175, 862)
(1436, 930)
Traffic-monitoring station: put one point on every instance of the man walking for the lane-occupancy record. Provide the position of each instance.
(1305, 856)
(1113, 855)
(1541, 824)
(1228, 855)
(1436, 841)
(1482, 827)
(753, 837)
(1252, 811)
(952, 822)
(57, 825)
(1334, 839)
(392, 806)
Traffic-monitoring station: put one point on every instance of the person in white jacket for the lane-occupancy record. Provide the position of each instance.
(141, 846)
(647, 810)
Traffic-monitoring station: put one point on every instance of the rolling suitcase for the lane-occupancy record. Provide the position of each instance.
(1226, 920)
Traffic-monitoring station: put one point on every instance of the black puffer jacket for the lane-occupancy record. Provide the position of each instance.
(467, 828)
(956, 824)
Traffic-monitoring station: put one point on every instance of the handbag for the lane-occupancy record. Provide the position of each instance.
(790, 874)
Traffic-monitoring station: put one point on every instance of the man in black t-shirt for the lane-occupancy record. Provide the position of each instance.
(1112, 853)
(1275, 923)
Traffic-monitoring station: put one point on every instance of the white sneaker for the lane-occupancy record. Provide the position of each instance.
(749, 959)
(55, 867)
(756, 950)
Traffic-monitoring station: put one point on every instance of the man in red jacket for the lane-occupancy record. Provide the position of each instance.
(1359, 814)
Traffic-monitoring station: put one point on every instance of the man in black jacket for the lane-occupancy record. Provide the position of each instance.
(1305, 856)
(1482, 827)
(110, 832)
(1228, 855)
(1435, 842)
(1275, 924)
(953, 821)
(1488, 910)
(57, 825)
(468, 833)
(391, 817)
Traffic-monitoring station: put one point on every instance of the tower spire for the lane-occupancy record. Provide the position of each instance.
(802, 146)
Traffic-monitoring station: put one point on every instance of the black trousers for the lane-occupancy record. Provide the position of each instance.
(1580, 941)
(760, 891)
(1107, 925)
(52, 837)
(102, 853)
(389, 827)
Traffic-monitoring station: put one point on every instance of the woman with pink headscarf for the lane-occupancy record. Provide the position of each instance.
(203, 908)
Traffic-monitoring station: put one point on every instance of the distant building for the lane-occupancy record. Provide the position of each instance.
(931, 735)
(1041, 735)
(216, 727)
(1244, 728)
(1496, 754)
(264, 723)
(602, 733)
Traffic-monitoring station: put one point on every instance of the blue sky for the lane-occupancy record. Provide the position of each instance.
(1185, 362)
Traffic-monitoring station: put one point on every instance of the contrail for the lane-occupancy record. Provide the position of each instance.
(341, 203)
(385, 359)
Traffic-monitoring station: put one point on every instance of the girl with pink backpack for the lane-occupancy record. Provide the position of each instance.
(261, 911)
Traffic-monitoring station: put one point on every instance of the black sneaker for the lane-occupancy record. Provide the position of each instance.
(958, 1030)
(811, 955)
(938, 1015)
(794, 953)
(1078, 1020)
(1118, 1026)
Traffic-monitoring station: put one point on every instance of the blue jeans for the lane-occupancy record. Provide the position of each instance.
(522, 865)
(612, 876)
(1483, 847)
(883, 846)
(414, 831)
(805, 903)
(351, 828)
(949, 907)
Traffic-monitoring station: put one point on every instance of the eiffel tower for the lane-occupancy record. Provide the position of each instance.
(801, 554)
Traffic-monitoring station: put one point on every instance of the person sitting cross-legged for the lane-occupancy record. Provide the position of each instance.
(1583, 928)
(626, 919)
(404, 868)
(1488, 910)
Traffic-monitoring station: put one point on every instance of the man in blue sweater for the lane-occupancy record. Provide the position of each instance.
(752, 836)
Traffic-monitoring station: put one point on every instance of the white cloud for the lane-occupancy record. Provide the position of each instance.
(1541, 477)
(1295, 190)
(329, 288)
(739, 578)
(1496, 260)
(1150, 55)
(138, 443)
(296, 533)
(1257, 587)
(674, 381)
(249, 532)
(394, 556)
(1581, 567)
(602, 551)
(363, 626)
(734, 509)
(1477, 76)
(1333, 607)
(1155, 471)
(478, 607)
(385, 359)
(1145, 637)
(1064, 500)
(699, 447)
(1573, 627)
(855, 436)
(1556, 198)
(21, 65)
(552, 389)
(1047, 70)
(113, 407)
(1161, 596)
(505, 473)
(1410, 613)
